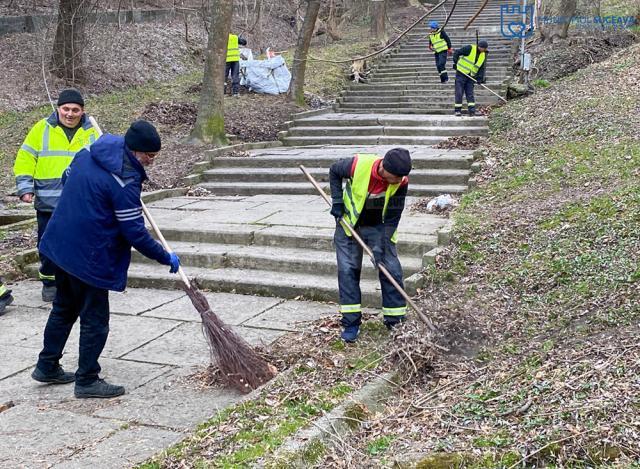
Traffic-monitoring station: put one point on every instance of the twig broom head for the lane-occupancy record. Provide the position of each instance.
(240, 366)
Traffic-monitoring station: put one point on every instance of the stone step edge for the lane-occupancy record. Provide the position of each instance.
(308, 445)
(201, 166)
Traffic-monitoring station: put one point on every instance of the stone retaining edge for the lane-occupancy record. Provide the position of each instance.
(305, 447)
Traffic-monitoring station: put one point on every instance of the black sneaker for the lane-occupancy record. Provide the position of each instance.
(58, 377)
(100, 389)
(48, 293)
(5, 301)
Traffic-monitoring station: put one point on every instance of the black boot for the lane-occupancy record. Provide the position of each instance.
(57, 377)
(5, 300)
(99, 388)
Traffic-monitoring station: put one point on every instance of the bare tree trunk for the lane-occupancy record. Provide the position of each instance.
(560, 13)
(209, 126)
(68, 46)
(378, 15)
(296, 91)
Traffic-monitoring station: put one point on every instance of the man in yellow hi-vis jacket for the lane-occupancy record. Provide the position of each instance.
(233, 65)
(43, 157)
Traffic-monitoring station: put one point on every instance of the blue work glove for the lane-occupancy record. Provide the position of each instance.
(337, 210)
(174, 262)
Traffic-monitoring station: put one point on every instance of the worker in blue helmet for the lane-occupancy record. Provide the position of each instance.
(440, 43)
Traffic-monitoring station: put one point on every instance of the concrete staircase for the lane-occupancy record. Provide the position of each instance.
(263, 230)
(403, 101)
(277, 171)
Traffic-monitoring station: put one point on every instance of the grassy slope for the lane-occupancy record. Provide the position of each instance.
(546, 264)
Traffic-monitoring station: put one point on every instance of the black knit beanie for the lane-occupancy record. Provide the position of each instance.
(70, 96)
(142, 136)
(483, 44)
(397, 161)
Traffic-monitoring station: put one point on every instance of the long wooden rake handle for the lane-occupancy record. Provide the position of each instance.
(152, 222)
(345, 224)
(485, 87)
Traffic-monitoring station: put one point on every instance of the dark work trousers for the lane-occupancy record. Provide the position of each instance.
(74, 299)
(349, 255)
(233, 68)
(441, 64)
(47, 270)
(464, 86)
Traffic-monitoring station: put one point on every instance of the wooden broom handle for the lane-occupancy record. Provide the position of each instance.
(152, 222)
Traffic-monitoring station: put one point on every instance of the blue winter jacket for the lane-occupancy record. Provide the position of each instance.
(99, 217)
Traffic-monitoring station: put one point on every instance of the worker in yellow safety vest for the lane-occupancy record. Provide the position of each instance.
(469, 62)
(372, 202)
(233, 65)
(440, 43)
(43, 157)
(5, 298)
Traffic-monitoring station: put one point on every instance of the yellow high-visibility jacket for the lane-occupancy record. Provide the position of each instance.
(233, 49)
(43, 157)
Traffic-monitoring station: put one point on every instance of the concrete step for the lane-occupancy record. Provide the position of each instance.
(421, 88)
(253, 282)
(388, 106)
(255, 188)
(307, 131)
(414, 100)
(418, 176)
(435, 161)
(348, 120)
(445, 110)
(434, 92)
(295, 237)
(269, 258)
(356, 140)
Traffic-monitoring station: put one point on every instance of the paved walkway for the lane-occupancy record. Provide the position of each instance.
(155, 343)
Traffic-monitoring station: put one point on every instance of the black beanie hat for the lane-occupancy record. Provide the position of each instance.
(142, 136)
(397, 161)
(484, 44)
(70, 96)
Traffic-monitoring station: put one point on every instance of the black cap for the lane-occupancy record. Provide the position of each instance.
(70, 96)
(484, 44)
(142, 136)
(397, 161)
(242, 41)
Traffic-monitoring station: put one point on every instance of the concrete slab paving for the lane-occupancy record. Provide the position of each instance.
(32, 437)
(15, 359)
(187, 346)
(231, 308)
(292, 315)
(173, 404)
(136, 301)
(162, 343)
(21, 388)
(124, 448)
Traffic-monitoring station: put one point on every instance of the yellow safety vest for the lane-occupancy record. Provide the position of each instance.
(233, 50)
(437, 42)
(43, 157)
(357, 190)
(470, 64)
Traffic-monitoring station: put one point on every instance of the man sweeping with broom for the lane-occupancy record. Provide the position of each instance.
(372, 202)
(89, 239)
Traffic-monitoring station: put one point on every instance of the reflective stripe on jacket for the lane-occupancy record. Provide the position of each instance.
(43, 157)
(233, 49)
(357, 190)
(471, 63)
(437, 42)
